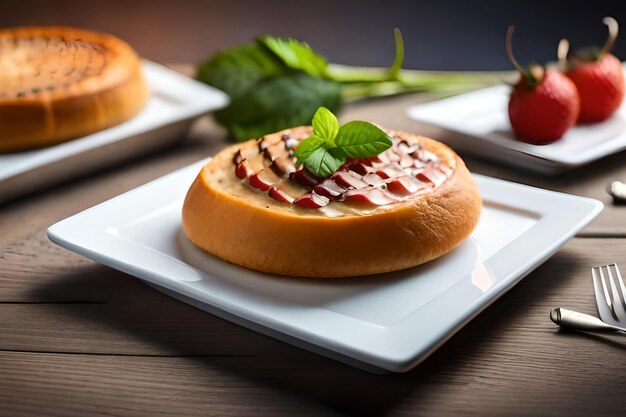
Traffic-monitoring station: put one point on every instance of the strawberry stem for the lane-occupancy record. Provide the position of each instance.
(563, 50)
(535, 72)
(509, 50)
(561, 54)
(613, 32)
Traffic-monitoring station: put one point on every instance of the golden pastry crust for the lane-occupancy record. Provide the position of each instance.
(61, 83)
(225, 217)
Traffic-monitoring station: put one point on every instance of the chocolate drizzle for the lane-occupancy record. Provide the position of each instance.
(402, 171)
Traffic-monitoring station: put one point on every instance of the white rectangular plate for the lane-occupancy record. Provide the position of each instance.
(175, 101)
(478, 123)
(389, 322)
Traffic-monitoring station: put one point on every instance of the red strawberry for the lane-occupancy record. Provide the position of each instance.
(543, 105)
(599, 78)
(541, 112)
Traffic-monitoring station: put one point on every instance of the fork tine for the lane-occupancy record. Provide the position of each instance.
(618, 303)
(621, 282)
(602, 297)
(607, 295)
(619, 292)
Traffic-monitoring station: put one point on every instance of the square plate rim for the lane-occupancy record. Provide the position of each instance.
(581, 210)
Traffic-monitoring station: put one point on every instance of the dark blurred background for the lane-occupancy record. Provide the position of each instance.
(443, 35)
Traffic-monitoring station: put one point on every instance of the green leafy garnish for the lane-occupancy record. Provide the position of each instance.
(325, 125)
(237, 70)
(297, 55)
(323, 163)
(275, 83)
(307, 147)
(359, 139)
(276, 103)
(330, 145)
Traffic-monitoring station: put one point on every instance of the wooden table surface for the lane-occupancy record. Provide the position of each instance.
(78, 338)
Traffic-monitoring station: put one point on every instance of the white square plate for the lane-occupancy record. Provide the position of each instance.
(478, 123)
(389, 322)
(175, 101)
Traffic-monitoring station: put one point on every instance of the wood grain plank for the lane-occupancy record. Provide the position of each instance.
(80, 385)
(134, 319)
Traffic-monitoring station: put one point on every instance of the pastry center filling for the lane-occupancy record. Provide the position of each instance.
(399, 173)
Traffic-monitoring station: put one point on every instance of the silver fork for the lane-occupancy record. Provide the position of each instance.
(611, 297)
(611, 304)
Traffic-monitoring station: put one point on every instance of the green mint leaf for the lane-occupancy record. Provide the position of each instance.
(360, 139)
(328, 148)
(322, 163)
(307, 147)
(325, 125)
(297, 55)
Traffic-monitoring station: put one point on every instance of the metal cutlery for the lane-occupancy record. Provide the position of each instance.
(617, 190)
(573, 320)
(610, 293)
(609, 296)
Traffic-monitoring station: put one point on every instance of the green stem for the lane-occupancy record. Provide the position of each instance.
(351, 74)
(399, 60)
(446, 84)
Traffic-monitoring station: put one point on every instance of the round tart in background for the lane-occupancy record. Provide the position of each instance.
(252, 206)
(59, 83)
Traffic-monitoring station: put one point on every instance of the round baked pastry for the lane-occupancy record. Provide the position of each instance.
(60, 83)
(250, 205)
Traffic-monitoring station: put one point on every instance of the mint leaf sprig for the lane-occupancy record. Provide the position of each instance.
(330, 145)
